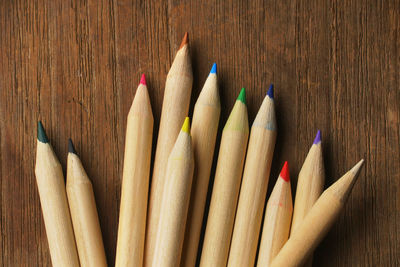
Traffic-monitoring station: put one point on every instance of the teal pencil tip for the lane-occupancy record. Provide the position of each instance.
(41, 134)
(242, 96)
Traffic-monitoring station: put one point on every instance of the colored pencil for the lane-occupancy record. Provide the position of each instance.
(85, 219)
(175, 201)
(178, 88)
(310, 184)
(53, 199)
(277, 218)
(318, 221)
(254, 185)
(226, 186)
(204, 132)
(135, 180)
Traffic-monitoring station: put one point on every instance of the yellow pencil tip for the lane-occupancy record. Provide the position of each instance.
(186, 125)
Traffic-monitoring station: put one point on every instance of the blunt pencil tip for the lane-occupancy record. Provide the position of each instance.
(143, 79)
(285, 172)
(185, 40)
(41, 134)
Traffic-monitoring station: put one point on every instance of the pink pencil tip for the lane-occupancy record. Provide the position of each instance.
(285, 172)
(143, 79)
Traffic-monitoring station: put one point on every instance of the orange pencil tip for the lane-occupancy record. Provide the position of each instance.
(185, 40)
(285, 172)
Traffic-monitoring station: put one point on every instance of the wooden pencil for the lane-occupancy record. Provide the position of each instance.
(85, 219)
(253, 190)
(317, 222)
(310, 184)
(135, 180)
(178, 88)
(175, 201)
(278, 215)
(204, 132)
(226, 186)
(53, 199)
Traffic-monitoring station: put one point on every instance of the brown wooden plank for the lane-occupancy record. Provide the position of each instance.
(76, 65)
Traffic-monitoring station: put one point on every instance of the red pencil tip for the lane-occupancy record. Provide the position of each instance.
(143, 79)
(185, 40)
(285, 172)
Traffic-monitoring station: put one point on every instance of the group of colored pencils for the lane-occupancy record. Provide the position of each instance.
(162, 226)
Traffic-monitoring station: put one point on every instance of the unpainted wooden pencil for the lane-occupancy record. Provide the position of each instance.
(85, 219)
(226, 186)
(178, 88)
(204, 132)
(135, 180)
(175, 201)
(277, 218)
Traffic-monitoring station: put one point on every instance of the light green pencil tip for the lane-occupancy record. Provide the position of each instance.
(242, 96)
(186, 125)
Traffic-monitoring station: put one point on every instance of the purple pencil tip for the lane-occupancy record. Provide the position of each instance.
(317, 139)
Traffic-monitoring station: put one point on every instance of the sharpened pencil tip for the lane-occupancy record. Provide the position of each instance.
(41, 134)
(185, 40)
(143, 79)
(317, 139)
(214, 69)
(357, 167)
(270, 92)
(71, 148)
(186, 125)
(242, 96)
(285, 172)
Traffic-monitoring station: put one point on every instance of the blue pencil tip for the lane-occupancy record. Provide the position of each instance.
(317, 139)
(270, 92)
(214, 69)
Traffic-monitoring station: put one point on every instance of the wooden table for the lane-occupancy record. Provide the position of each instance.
(76, 64)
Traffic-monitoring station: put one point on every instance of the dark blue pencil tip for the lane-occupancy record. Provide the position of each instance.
(270, 92)
(214, 69)
(41, 134)
(317, 139)
(71, 148)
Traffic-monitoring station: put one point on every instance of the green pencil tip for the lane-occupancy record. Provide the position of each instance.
(242, 96)
(41, 134)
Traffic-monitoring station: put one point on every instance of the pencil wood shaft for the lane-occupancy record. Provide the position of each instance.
(84, 215)
(226, 188)
(310, 185)
(175, 203)
(317, 222)
(176, 102)
(278, 215)
(135, 181)
(204, 132)
(53, 199)
(254, 187)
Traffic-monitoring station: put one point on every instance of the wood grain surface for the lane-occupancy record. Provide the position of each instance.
(76, 64)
